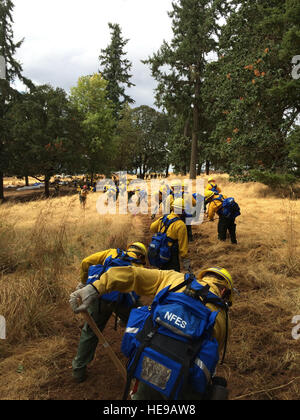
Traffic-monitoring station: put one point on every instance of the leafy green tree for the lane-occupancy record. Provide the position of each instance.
(179, 66)
(125, 141)
(115, 69)
(46, 133)
(98, 124)
(294, 150)
(152, 134)
(8, 49)
(250, 92)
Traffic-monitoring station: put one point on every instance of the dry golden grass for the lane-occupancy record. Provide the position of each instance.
(265, 265)
(43, 242)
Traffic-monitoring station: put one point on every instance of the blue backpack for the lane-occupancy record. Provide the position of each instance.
(122, 260)
(170, 345)
(230, 207)
(159, 251)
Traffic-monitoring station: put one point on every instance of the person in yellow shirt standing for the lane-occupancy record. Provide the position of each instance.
(83, 196)
(227, 210)
(170, 240)
(212, 185)
(179, 191)
(160, 197)
(173, 345)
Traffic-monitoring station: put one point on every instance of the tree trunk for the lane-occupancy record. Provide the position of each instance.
(92, 178)
(26, 181)
(47, 191)
(207, 167)
(186, 127)
(1, 186)
(194, 151)
(167, 171)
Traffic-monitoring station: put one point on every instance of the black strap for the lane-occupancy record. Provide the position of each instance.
(137, 356)
(188, 279)
(168, 223)
(184, 374)
(226, 334)
(117, 303)
(123, 255)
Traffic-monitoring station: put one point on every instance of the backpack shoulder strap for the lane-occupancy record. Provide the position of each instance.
(125, 257)
(188, 278)
(168, 222)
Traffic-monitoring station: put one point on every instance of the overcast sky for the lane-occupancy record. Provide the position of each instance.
(63, 39)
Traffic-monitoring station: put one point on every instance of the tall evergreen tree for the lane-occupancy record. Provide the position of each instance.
(8, 49)
(195, 28)
(115, 69)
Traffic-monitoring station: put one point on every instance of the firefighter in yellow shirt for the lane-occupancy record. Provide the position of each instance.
(149, 282)
(83, 196)
(212, 185)
(161, 196)
(177, 233)
(101, 310)
(179, 190)
(225, 223)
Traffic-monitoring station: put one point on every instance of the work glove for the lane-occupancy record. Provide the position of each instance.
(80, 286)
(81, 299)
(186, 264)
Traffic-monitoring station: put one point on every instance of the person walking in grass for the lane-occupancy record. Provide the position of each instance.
(83, 196)
(227, 209)
(212, 185)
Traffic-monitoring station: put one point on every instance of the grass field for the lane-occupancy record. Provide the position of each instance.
(42, 243)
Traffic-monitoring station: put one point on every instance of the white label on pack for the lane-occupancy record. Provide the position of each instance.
(176, 319)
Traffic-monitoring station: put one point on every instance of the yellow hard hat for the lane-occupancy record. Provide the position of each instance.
(224, 274)
(178, 204)
(211, 178)
(138, 247)
(208, 194)
(175, 183)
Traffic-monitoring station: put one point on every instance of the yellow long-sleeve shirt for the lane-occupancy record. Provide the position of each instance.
(214, 206)
(212, 185)
(98, 258)
(176, 231)
(149, 282)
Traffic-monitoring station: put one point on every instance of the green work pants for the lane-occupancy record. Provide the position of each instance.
(100, 311)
